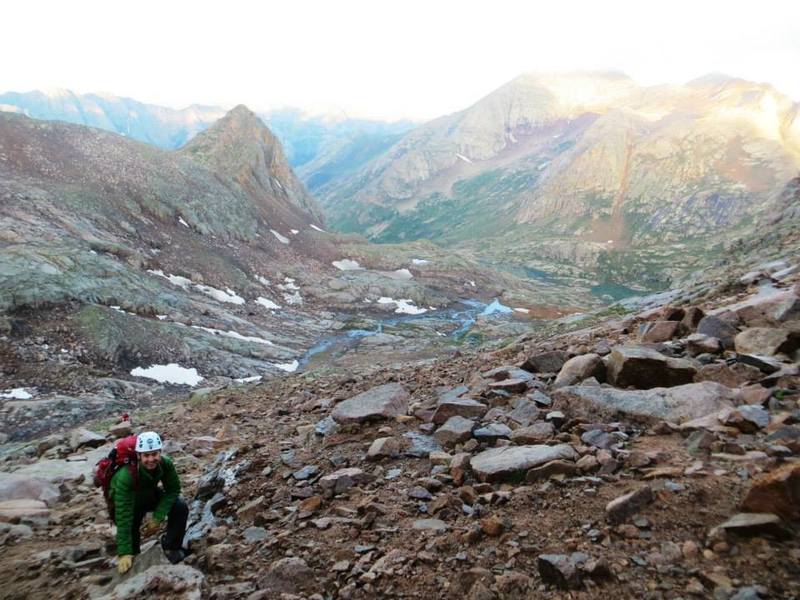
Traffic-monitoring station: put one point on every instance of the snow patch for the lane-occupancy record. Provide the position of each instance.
(227, 296)
(403, 306)
(291, 293)
(262, 280)
(289, 367)
(464, 158)
(266, 303)
(281, 239)
(419, 261)
(182, 222)
(17, 394)
(248, 379)
(171, 373)
(234, 335)
(294, 231)
(317, 228)
(347, 264)
(522, 310)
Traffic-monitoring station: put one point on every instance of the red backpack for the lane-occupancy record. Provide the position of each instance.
(122, 454)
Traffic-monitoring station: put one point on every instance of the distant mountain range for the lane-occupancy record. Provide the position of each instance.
(320, 148)
(584, 179)
(584, 174)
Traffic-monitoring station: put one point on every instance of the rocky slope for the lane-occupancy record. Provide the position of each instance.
(645, 455)
(581, 171)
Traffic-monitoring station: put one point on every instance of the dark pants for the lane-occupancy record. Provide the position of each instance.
(176, 524)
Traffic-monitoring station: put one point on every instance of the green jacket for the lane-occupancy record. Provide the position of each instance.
(127, 497)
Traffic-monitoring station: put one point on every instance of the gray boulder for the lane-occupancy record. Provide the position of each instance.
(512, 462)
(680, 403)
(382, 402)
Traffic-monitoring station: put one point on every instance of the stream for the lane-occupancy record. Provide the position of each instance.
(453, 322)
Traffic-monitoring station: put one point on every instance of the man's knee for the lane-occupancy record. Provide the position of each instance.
(179, 509)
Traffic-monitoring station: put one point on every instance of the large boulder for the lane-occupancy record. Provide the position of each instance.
(581, 367)
(643, 368)
(382, 402)
(513, 462)
(767, 341)
(680, 403)
(82, 437)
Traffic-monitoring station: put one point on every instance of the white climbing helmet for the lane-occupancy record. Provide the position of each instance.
(149, 441)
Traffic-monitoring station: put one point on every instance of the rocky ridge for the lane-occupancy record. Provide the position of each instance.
(540, 466)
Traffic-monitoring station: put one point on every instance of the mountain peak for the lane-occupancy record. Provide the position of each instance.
(241, 147)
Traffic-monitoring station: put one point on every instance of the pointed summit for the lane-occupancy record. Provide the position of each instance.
(241, 147)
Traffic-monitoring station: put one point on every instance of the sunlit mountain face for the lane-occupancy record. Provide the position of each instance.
(584, 174)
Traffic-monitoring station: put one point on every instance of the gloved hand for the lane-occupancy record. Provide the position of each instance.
(150, 527)
(125, 563)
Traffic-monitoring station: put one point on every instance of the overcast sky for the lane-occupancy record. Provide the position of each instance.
(410, 58)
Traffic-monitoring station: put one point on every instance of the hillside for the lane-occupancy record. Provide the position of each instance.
(321, 148)
(586, 176)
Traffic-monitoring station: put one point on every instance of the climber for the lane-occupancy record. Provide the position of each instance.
(134, 492)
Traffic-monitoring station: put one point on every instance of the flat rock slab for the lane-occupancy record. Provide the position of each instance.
(57, 470)
(17, 487)
(382, 402)
(750, 524)
(22, 509)
(767, 341)
(643, 368)
(513, 385)
(513, 462)
(435, 525)
(680, 403)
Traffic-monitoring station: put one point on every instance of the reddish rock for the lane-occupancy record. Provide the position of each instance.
(660, 331)
(777, 492)
(643, 368)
